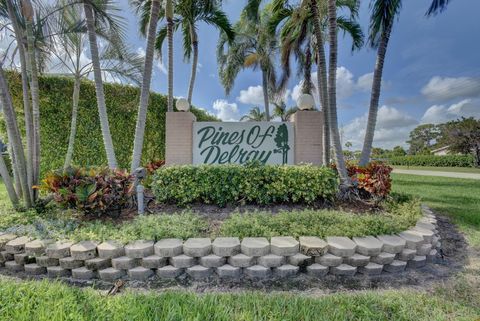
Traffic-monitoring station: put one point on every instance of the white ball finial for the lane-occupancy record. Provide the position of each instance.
(305, 102)
(182, 104)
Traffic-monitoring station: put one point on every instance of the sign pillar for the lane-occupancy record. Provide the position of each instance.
(308, 126)
(179, 138)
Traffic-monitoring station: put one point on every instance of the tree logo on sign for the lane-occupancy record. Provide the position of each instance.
(281, 139)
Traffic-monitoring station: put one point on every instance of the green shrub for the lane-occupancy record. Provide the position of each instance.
(251, 183)
(122, 103)
(433, 160)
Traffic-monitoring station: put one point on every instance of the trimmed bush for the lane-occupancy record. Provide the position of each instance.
(122, 104)
(433, 160)
(239, 184)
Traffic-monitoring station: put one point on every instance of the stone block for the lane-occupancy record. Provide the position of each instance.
(413, 240)
(371, 269)
(46, 261)
(154, 262)
(357, 260)
(70, 263)
(182, 261)
(383, 258)
(426, 225)
(286, 271)
(317, 270)
(212, 261)
(98, 263)
(424, 249)
(111, 274)
(417, 262)
(35, 269)
(271, 260)
(4, 239)
(83, 274)
(228, 271)
(125, 263)
(13, 266)
(343, 269)
(169, 272)
(169, 247)
(425, 233)
(199, 272)
(226, 246)
(140, 273)
(241, 260)
(284, 246)
(37, 247)
(257, 272)
(406, 255)
(432, 256)
(341, 246)
(58, 250)
(312, 246)
(84, 250)
(299, 259)
(57, 272)
(329, 260)
(23, 259)
(255, 246)
(395, 267)
(139, 249)
(392, 243)
(369, 245)
(17, 245)
(197, 247)
(4, 256)
(110, 250)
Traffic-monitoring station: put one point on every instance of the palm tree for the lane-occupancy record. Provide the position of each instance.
(283, 112)
(332, 95)
(95, 12)
(254, 115)
(169, 15)
(254, 47)
(381, 23)
(437, 6)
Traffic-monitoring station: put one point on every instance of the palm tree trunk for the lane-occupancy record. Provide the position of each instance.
(332, 94)
(265, 94)
(8, 182)
(375, 97)
(169, 15)
(307, 72)
(145, 90)
(13, 133)
(25, 94)
(73, 124)
(97, 73)
(16, 176)
(322, 82)
(194, 66)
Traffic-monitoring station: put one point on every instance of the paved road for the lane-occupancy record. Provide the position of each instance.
(436, 173)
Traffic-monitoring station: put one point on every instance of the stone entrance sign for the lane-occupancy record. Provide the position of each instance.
(239, 142)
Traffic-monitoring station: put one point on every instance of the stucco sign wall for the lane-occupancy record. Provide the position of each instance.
(238, 142)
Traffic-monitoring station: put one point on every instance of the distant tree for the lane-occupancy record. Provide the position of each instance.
(282, 111)
(254, 115)
(423, 138)
(398, 151)
(463, 136)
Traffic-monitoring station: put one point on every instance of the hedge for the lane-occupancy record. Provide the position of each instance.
(433, 160)
(238, 184)
(122, 103)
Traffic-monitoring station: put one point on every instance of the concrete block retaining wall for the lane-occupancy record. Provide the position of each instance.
(224, 257)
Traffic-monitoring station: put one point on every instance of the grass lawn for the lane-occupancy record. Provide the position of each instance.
(441, 169)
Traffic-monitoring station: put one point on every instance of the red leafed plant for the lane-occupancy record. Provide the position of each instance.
(372, 181)
(154, 165)
(94, 191)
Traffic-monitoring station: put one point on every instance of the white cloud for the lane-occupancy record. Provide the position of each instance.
(438, 114)
(446, 88)
(226, 111)
(364, 82)
(253, 95)
(157, 62)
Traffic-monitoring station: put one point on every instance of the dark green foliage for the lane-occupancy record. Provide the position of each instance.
(433, 160)
(423, 138)
(122, 104)
(252, 183)
(463, 136)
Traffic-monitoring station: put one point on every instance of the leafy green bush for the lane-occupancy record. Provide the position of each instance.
(433, 160)
(122, 104)
(251, 183)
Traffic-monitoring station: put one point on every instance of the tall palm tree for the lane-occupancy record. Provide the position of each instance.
(145, 89)
(169, 16)
(254, 47)
(96, 11)
(382, 18)
(254, 115)
(332, 94)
